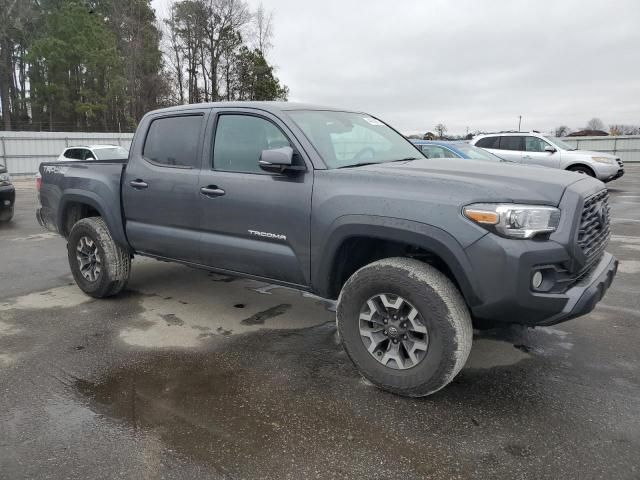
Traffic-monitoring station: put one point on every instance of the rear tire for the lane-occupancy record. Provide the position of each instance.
(441, 310)
(99, 266)
(583, 169)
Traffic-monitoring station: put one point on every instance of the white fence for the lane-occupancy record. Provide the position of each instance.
(22, 152)
(627, 147)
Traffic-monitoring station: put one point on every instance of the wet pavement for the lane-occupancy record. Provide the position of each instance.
(196, 375)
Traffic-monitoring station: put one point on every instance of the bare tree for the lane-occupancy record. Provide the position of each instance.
(441, 129)
(620, 129)
(263, 29)
(173, 50)
(595, 124)
(226, 19)
(562, 131)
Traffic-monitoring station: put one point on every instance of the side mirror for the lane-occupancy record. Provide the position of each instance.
(279, 160)
(550, 149)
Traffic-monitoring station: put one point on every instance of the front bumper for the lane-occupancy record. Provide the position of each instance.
(586, 294)
(618, 174)
(607, 173)
(7, 196)
(502, 271)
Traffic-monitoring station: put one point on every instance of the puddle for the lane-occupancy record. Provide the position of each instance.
(270, 395)
(260, 317)
(488, 353)
(185, 310)
(62, 297)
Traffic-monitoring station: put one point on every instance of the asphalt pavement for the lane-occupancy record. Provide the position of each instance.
(190, 374)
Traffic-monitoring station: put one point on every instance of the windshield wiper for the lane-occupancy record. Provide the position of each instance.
(407, 159)
(361, 164)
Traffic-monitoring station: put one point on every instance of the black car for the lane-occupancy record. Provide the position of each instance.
(7, 195)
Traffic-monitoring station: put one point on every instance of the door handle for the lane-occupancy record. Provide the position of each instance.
(138, 184)
(212, 191)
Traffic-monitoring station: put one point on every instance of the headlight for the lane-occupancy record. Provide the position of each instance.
(607, 160)
(512, 220)
(5, 178)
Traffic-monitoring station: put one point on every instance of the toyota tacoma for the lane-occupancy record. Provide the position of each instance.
(415, 250)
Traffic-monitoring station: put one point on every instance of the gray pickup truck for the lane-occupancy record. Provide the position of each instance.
(416, 251)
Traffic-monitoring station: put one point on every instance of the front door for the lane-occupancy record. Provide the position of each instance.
(254, 222)
(160, 186)
(536, 154)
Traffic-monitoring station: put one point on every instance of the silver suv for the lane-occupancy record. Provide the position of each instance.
(535, 148)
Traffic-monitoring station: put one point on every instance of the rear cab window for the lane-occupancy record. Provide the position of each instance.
(174, 141)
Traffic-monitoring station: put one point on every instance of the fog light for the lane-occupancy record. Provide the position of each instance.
(536, 281)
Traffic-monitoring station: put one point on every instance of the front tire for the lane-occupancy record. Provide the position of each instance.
(99, 266)
(6, 214)
(405, 326)
(582, 169)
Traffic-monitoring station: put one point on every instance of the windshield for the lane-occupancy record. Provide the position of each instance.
(559, 143)
(345, 139)
(478, 153)
(111, 153)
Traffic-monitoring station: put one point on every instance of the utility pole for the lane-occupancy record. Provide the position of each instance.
(519, 121)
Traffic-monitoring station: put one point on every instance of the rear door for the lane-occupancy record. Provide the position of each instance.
(492, 144)
(511, 147)
(254, 222)
(160, 186)
(535, 153)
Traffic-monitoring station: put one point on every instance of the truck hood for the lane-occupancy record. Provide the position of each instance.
(478, 181)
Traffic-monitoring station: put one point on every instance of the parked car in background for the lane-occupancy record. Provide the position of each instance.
(94, 152)
(83, 153)
(535, 148)
(7, 195)
(443, 149)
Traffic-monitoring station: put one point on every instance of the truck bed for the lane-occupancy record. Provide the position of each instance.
(97, 180)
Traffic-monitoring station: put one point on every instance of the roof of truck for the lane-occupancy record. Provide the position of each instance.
(268, 106)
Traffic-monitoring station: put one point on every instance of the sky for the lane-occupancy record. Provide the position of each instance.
(464, 63)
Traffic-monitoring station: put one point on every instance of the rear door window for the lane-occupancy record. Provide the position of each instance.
(174, 141)
(511, 143)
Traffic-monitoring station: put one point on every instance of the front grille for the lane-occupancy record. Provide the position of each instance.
(594, 232)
